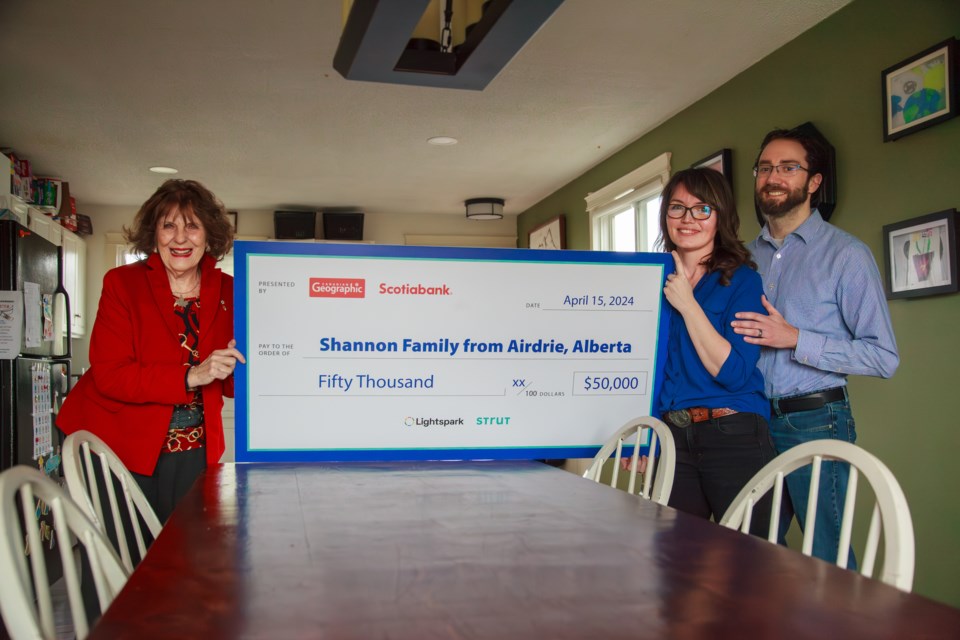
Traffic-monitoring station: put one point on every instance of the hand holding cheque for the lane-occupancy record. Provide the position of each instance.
(219, 365)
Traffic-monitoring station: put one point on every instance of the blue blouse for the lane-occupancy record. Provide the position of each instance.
(739, 384)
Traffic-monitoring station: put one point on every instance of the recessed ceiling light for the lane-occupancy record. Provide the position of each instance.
(164, 170)
(442, 141)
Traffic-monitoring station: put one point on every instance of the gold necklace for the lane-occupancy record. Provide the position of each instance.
(179, 295)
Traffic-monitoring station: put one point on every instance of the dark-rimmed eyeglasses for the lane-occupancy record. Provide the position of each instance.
(786, 169)
(698, 211)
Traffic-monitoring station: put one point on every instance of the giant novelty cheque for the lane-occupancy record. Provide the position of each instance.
(365, 352)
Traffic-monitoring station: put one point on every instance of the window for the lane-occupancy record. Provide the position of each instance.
(624, 214)
(118, 252)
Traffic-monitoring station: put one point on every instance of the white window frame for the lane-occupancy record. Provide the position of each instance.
(640, 184)
(116, 250)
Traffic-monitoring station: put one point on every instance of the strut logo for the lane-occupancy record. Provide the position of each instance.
(338, 288)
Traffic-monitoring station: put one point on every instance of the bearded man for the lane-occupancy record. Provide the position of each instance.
(828, 317)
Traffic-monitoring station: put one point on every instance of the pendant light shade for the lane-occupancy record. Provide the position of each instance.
(455, 44)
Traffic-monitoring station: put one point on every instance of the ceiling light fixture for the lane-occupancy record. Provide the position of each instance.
(484, 208)
(442, 141)
(164, 170)
(457, 44)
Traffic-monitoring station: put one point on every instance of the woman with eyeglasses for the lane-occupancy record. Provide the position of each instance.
(712, 395)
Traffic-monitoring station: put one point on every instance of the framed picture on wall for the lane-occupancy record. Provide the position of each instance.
(549, 235)
(920, 255)
(232, 217)
(721, 161)
(920, 91)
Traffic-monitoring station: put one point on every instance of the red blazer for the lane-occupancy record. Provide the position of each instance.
(137, 365)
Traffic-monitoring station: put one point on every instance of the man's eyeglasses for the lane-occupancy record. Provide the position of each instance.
(787, 169)
(699, 211)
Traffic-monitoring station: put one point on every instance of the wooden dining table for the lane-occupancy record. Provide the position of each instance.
(487, 549)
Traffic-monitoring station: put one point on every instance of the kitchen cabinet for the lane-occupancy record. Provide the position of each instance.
(44, 226)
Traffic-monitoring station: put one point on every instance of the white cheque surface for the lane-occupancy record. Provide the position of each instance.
(413, 352)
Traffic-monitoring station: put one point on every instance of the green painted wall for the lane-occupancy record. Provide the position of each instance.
(830, 75)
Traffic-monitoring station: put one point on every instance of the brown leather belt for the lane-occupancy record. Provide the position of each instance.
(683, 418)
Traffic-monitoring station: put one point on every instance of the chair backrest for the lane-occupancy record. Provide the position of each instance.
(88, 463)
(25, 599)
(657, 479)
(891, 515)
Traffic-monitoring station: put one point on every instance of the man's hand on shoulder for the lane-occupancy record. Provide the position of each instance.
(766, 330)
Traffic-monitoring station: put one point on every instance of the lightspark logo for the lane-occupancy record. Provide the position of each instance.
(338, 288)
(432, 422)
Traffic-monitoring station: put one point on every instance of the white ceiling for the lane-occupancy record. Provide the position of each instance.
(243, 97)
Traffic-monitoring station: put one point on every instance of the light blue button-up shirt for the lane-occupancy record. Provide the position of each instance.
(825, 282)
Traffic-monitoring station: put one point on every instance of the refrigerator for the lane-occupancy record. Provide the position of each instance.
(34, 360)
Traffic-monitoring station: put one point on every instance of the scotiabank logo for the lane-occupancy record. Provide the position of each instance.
(338, 288)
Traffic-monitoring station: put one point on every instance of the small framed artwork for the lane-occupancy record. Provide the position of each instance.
(552, 234)
(721, 161)
(232, 217)
(920, 255)
(920, 91)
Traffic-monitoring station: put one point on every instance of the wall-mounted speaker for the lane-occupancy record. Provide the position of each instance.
(294, 225)
(342, 226)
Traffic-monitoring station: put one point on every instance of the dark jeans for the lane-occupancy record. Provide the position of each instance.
(715, 460)
(835, 421)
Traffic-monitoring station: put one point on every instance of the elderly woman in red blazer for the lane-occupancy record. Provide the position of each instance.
(162, 352)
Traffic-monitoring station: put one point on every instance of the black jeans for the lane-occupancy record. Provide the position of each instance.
(173, 476)
(715, 459)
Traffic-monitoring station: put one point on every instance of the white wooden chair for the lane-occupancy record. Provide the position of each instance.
(891, 515)
(85, 458)
(25, 599)
(657, 479)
